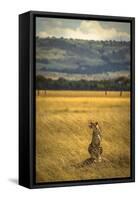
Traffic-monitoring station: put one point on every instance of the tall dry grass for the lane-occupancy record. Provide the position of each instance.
(63, 136)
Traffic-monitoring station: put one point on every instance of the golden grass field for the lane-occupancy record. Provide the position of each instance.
(63, 136)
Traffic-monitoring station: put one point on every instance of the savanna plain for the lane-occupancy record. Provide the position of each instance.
(63, 135)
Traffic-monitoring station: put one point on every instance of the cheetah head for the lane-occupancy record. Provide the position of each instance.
(92, 125)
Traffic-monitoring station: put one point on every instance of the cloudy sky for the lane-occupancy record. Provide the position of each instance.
(82, 29)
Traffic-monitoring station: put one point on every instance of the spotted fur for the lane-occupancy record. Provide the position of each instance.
(95, 149)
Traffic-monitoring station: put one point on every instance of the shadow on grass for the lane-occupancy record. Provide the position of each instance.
(87, 162)
(90, 162)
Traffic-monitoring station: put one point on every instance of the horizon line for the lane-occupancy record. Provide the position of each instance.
(51, 37)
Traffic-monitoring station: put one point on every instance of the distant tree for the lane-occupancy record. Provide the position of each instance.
(38, 92)
(39, 83)
(121, 93)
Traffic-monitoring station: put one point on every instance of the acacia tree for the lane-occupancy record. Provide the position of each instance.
(121, 92)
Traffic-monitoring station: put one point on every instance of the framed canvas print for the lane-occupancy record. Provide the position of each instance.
(76, 99)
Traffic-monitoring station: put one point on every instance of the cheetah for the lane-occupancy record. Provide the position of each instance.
(95, 149)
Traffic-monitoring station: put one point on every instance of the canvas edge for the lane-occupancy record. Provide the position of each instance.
(30, 139)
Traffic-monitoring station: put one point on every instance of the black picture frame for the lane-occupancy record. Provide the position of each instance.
(27, 140)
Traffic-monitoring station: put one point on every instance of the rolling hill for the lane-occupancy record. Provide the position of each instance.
(71, 58)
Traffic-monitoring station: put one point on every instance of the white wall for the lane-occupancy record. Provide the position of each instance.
(9, 11)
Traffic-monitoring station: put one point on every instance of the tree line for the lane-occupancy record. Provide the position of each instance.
(119, 84)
